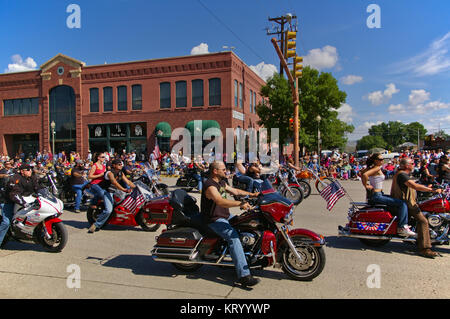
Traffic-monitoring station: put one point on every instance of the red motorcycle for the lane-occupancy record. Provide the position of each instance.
(129, 209)
(265, 233)
(281, 183)
(376, 226)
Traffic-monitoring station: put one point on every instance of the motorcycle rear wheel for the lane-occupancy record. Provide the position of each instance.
(58, 240)
(187, 267)
(297, 194)
(374, 242)
(326, 181)
(307, 269)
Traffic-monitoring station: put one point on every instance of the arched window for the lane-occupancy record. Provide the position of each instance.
(215, 91)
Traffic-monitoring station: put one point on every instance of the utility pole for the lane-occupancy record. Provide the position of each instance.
(282, 21)
(288, 50)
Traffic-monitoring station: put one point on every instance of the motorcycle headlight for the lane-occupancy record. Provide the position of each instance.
(289, 218)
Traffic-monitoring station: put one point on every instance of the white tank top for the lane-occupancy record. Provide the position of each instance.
(376, 181)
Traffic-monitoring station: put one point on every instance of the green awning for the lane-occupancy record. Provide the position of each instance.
(194, 126)
(163, 129)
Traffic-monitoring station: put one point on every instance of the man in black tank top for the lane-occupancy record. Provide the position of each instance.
(215, 210)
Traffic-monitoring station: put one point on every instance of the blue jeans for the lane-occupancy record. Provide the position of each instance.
(199, 181)
(398, 204)
(78, 193)
(103, 217)
(223, 228)
(247, 180)
(8, 214)
(98, 193)
(257, 184)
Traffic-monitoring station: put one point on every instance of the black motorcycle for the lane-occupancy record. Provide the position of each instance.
(187, 179)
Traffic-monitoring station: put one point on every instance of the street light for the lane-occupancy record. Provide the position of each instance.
(318, 118)
(53, 125)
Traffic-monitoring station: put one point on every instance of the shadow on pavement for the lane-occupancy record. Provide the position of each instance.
(389, 248)
(145, 265)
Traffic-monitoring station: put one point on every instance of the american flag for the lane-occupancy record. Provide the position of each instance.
(332, 193)
(156, 151)
(134, 200)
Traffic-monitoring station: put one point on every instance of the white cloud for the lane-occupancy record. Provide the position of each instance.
(265, 71)
(345, 113)
(324, 58)
(418, 96)
(361, 130)
(416, 104)
(434, 60)
(19, 65)
(396, 109)
(202, 48)
(379, 97)
(351, 79)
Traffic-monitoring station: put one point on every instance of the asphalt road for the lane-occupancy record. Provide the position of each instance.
(116, 263)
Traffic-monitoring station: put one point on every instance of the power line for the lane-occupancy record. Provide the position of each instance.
(230, 30)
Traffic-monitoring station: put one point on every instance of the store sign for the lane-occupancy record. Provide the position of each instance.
(238, 115)
(138, 130)
(118, 130)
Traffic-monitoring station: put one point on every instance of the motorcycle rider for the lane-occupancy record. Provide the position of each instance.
(78, 182)
(215, 211)
(375, 177)
(110, 185)
(402, 188)
(21, 184)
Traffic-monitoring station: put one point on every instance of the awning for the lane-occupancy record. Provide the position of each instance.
(196, 125)
(163, 129)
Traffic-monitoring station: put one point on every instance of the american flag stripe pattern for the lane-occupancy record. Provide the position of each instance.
(134, 200)
(332, 193)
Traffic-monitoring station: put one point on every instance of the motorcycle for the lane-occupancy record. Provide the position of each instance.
(151, 178)
(377, 226)
(48, 179)
(188, 244)
(187, 179)
(125, 214)
(39, 222)
(292, 177)
(281, 183)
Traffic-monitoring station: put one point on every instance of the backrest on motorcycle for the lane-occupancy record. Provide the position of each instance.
(184, 206)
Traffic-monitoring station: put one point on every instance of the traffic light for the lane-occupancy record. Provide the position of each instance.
(291, 124)
(298, 67)
(290, 44)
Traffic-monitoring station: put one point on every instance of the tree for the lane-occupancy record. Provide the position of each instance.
(370, 141)
(319, 95)
(395, 133)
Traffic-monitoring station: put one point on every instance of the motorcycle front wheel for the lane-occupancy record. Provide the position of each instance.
(306, 188)
(294, 194)
(58, 238)
(311, 264)
(142, 221)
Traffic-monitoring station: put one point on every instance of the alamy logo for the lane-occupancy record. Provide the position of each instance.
(374, 280)
(374, 20)
(74, 279)
(74, 19)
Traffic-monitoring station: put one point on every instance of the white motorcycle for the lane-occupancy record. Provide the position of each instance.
(39, 222)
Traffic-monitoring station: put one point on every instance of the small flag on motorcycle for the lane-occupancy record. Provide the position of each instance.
(134, 200)
(332, 193)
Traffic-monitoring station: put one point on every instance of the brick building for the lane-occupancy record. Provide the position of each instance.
(123, 106)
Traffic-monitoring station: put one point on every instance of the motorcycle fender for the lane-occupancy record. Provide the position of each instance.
(294, 185)
(48, 224)
(315, 239)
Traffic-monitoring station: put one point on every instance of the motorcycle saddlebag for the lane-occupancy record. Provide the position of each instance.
(177, 243)
(158, 211)
(373, 221)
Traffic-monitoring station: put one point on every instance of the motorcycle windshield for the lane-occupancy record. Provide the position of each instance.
(45, 193)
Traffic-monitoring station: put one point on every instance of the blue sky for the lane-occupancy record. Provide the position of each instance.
(400, 71)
